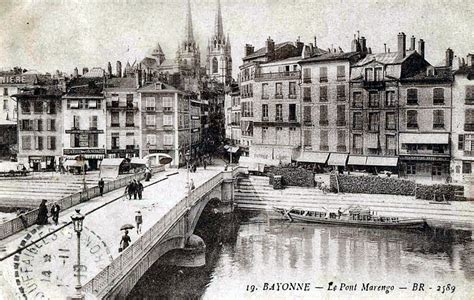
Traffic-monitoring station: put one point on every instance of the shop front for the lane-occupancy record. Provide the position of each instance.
(123, 153)
(92, 157)
(433, 168)
(42, 163)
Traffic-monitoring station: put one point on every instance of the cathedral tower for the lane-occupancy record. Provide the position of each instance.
(188, 55)
(219, 60)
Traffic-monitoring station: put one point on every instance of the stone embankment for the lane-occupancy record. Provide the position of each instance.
(255, 193)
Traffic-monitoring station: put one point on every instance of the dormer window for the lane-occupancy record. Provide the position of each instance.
(158, 86)
(369, 74)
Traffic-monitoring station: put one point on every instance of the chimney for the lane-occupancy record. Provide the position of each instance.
(248, 49)
(385, 47)
(370, 50)
(138, 79)
(118, 69)
(299, 46)
(470, 60)
(463, 62)
(421, 48)
(315, 42)
(76, 72)
(456, 63)
(109, 69)
(412, 43)
(363, 44)
(270, 46)
(85, 70)
(449, 57)
(388, 50)
(402, 46)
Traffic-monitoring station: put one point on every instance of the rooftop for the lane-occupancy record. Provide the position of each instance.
(389, 58)
(262, 51)
(158, 86)
(83, 86)
(121, 82)
(329, 56)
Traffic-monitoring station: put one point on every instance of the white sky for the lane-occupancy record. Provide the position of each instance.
(47, 35)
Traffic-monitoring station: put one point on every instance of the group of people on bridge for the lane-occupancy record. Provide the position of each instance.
(133, 189)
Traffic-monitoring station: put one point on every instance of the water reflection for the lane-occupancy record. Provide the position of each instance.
(252, 248)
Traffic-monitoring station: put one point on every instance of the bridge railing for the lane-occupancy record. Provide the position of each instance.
(136, 251)
(27, 219)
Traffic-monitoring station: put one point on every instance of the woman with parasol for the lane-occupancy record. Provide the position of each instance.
(126, 240)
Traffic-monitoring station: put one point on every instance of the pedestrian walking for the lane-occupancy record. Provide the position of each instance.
(135, 189)
(42, 218)
(125, 242)
(139, 190)
(204, 163)
(130, 188)
(55, 212)
(139, 221)
(194, 168)
(101, 186)
(191, 184)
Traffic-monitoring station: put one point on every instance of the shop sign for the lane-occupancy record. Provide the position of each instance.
(83, 151)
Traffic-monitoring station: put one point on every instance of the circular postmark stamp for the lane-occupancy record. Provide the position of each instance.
(47, 269)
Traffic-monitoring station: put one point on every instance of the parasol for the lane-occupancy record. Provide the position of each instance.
(127, 226)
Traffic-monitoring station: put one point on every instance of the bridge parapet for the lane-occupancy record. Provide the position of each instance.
(170, 231)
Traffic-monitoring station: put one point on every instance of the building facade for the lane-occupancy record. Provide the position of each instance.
(233, 115)
(85, 121)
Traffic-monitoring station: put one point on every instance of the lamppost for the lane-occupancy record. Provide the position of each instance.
(82, 159)
(77, 220)
(187, 156)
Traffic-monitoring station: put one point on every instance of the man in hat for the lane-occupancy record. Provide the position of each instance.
(139, 221)
(42, 218)
(101, 187)
(55, 212)
(139, 190)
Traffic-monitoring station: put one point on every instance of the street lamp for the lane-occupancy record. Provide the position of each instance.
(77, 220)
(82, 159)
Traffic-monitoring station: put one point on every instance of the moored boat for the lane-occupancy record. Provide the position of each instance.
(355, 217)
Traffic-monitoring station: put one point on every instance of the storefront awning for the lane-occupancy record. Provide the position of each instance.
(357, 160)
(111, 162)
(337, 159)
(138, 161)
(379, 161)
(72, 163)
(314, 157)
(424, 138)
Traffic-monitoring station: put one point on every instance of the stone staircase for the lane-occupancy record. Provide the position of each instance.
(255, 193)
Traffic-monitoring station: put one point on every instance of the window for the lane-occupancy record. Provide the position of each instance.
(115, 119)
(341, 115)
(150, 103)
(264, 134)
(151, 139)
(292, 90)
(93, 140)
(323, 140)
(93, 122)
(5, 104)
(341, 92)
(130, 140)
(378, 74)
(390, 122)
(51, 125)
(390, 98)
(373, 99)
(292, 112)
(411, 168)
(51, 140)
(357, 99)
(369, 74)
(357, 144)
(438, 119)
(374, 121)
(279, 112)
(438, 96)
(412, 96)
(215, 65)
(307, 138)
(129, 119)
(341, 72)
(39, 125)
(129, 100)
(357, 121)
(307, 94)
(168, 104)
(168, 139)
(5, 91)
(323, 74)
(307, 115)
(73, 104)
(469, 120)
(264, 112)
(390, 145)
(26, 125)
(461, 142)
(51, 107)
(306, 75)
(39, 143)
(323, 94)
(115, 140)
(26, 142)
(167, 120)
(25, 107)
(264, 90)
(323, 115)
(278, 135)
(341, 141)
(278, 90)
(150, 120)
(38, 107)
(466, 168)
(92, 103)
(75, 122)
(470, 94)
(412, 119)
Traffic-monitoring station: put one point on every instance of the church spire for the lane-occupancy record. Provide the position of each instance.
(188, 34)
(218, 28)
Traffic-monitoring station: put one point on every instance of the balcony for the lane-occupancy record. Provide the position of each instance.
(468, 127)
(341, 148)
(323, 79)
(167, 109)
(115, 125)
(114, 105)
(373, 84)
(129, 124)
(469, 101)
(306, 79)
(288, 75)
(438, 101)
(279, 96)
(292, 96)
(341, 78)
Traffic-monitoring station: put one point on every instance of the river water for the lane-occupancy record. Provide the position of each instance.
(255, 256)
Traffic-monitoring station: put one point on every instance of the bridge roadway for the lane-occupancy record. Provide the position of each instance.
(45, 269)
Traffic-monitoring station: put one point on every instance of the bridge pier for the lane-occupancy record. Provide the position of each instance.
(192, 255)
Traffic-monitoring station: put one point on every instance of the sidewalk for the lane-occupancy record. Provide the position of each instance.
(55, 255)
